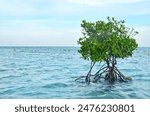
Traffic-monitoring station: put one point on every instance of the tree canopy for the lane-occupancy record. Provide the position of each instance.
(102, 40)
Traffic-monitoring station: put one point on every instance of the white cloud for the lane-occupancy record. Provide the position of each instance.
(70, 7)
(40, 21)
(143, 38)
(34, 7)
(140, 12)
(14, 7)
(41, 37)
(103, 2)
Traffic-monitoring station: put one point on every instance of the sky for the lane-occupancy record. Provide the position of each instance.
(57, 22)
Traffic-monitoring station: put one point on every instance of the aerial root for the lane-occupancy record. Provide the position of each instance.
(108, 73)
(80, 78)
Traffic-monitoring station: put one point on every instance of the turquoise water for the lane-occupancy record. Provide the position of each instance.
(49, 72)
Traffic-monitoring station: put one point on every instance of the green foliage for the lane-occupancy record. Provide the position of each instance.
(104, 40)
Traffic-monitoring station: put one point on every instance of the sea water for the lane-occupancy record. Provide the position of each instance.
(50, 73)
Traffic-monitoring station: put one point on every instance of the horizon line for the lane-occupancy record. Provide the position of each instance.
(53, 46)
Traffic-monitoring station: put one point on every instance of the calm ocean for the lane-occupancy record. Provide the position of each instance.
(49, 72)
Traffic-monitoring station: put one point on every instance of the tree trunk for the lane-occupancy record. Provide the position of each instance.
(111, 76)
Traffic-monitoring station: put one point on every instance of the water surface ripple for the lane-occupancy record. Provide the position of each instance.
(49, 72)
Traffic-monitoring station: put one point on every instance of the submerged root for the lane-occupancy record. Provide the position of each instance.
(111, 74)
(107, 73)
